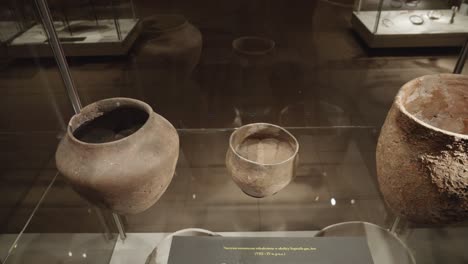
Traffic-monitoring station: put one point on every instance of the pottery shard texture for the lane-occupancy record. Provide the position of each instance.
(449, 172)
(422, 173)
(422, 157)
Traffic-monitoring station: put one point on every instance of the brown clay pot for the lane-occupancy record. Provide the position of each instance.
(119, 154)
(262, 158)
(422, 159)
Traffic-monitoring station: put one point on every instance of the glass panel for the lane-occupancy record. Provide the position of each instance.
(211, 66)
(34, 113)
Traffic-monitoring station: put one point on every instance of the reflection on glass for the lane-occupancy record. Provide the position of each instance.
(385, 247)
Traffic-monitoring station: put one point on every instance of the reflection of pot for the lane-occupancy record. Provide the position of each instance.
(252, 71)
(170, 41)
(262, 158)
(422, 155)
(119, 154)
(169, 51)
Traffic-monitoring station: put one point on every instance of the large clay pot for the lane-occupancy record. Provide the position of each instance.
(262, 158)
(422, 159)
(119, 154)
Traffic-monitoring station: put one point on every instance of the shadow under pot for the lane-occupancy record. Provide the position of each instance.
(262, 158)
(422, 152)
(119, 154)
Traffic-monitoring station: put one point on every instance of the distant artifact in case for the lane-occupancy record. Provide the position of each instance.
(262, 158)
(410, 23)
(422, 153)
(119, 154)
(84, 27)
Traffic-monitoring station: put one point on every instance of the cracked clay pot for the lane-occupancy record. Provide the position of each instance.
(422, 159)
(119, 154)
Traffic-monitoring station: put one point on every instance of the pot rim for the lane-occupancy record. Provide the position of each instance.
(293, 156)
(402, 108)
(92, 108)
(237, 41)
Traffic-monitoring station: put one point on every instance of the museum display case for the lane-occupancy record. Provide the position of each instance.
(85, 28)
(411, 23)
(266, 127)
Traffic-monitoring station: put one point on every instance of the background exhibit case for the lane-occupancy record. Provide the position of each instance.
(84, 27)
(411, 23)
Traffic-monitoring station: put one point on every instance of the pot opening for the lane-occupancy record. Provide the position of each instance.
(263, 144)
(112, 125)
(440, 101)
(253, 45)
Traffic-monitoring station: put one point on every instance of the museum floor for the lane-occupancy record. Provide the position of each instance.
(331, 92)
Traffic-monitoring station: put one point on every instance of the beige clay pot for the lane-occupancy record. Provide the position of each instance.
(262, 158)
(119, 154)
(422, 159)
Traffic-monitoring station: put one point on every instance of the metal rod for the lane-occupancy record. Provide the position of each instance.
(120, 227)
(48, 25)
(93, 10)
(117, 25)
(358, 6)
(107, 232)
(379, 13)
(133, 9)
(57, 49)
(394, 227)
(461, 59)
(67, 21)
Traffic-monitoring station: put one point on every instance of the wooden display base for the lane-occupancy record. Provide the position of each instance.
(80, 38)
(396, 30)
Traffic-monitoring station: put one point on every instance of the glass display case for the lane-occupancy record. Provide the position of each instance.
(85, 28)
(113, 145)
(408, 23)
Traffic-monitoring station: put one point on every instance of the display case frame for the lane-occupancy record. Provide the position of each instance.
(409, 24)
(110, 34)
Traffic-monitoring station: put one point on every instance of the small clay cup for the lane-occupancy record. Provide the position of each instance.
(262, 158)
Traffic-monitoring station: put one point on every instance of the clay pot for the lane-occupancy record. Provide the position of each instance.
(252, 69)
(262, 158)
(422, 160)
(119, 154)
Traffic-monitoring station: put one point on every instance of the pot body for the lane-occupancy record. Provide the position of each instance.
(255, 178)
(128, 175)
(423, 169)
